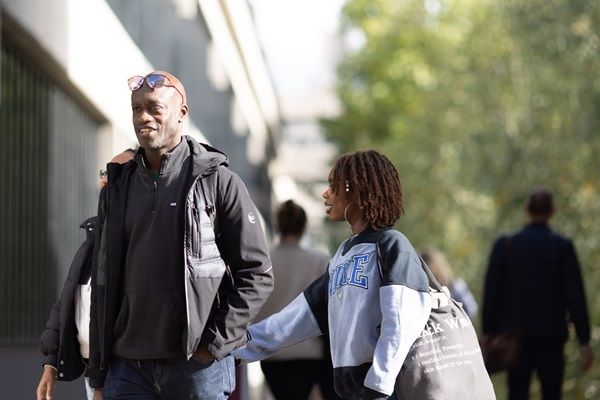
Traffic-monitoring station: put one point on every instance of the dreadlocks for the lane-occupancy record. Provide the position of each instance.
(373, 179)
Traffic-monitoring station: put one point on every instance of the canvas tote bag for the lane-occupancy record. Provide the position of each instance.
(445, 362)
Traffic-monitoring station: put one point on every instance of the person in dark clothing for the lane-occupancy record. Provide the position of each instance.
(180, 261)
(65, 340)
(534, 287)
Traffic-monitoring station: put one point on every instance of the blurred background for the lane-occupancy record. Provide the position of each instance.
(475, 102)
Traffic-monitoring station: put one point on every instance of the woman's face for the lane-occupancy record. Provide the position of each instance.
(335, 203)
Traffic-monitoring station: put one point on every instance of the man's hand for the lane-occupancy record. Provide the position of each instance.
(45, 388)
(203, 355)
(97, 394)
(587, 356)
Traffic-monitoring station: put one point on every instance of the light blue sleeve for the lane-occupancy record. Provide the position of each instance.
(405, 312)
(294, 324)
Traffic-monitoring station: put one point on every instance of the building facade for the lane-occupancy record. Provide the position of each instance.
(64, 111)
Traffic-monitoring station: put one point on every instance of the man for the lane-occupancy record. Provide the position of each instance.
(533, 285)
(180, 264)
(65, 341)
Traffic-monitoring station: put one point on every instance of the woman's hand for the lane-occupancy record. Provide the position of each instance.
(45, 388)
(97, 394)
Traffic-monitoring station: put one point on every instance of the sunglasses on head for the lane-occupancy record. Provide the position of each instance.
(154, 81)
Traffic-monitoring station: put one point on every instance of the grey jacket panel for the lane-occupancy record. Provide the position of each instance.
(249, 279)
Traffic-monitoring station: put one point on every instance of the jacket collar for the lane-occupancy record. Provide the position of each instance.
(205, 160)
(537, 226)
(170, 162)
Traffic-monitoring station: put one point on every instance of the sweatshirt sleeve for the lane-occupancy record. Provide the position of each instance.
(405, 304)
(294, 324)
(405, 312)
(243, 247)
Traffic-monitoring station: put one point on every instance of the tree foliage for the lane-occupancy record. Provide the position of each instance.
(476, 102)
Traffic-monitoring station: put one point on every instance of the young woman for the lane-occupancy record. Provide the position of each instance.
(374, 299)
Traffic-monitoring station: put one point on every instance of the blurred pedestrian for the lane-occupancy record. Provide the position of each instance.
(459, 290)
(533, 287)
(65, 341)
(180, 263)
(292, 372)
(374, 300)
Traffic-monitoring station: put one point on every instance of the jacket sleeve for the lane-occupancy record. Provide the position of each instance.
(493, 290)
(96, 371)
(243, 247)
(50, 337)
(575, 293)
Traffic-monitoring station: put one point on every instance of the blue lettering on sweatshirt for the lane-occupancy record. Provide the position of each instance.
(349, 273)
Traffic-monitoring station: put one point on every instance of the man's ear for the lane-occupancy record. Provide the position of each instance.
(183, 111)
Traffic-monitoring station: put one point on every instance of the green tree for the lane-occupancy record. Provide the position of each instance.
(476, 102)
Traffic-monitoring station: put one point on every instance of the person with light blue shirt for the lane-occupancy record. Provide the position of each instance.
(374, 299)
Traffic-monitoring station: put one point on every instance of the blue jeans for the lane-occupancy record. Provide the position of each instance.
(169, 379)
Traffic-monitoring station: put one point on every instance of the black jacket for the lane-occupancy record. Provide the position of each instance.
(59, 340)
(227, 270)
(545, 285)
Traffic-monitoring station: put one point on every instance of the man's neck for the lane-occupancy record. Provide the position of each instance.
(154, 157)
(538, 220)
(290, 239)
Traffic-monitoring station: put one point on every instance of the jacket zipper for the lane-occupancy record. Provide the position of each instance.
(191, 205)
(103, 329)
(153, 197)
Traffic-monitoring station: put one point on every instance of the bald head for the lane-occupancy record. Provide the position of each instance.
(176, 83)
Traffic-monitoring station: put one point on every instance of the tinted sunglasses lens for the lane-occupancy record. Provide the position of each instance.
(135, 82)
(155, 81)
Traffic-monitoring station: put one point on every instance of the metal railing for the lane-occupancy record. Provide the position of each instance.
(48, 148)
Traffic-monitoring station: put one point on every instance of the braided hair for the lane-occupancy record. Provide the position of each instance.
(373, 180)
